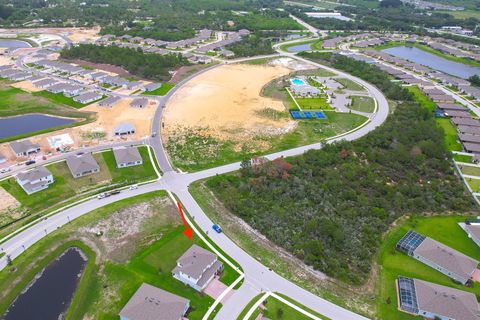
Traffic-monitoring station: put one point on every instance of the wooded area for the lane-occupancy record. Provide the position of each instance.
(146, 65)
(330, 207)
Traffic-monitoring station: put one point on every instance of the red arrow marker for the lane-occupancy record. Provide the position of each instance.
(187, 231)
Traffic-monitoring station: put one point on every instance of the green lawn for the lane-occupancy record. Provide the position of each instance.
(473, 171)
(109, 284)
(315, 44)
(463, 14)
(192, 150)
(421, 98)
(66, 187)
(349, 84)
(277, 310)
(450, 131)
(393, 263)
(463, 158)
(474, 184)
(318, 103)
(163, 90)
(363, 104)
(59, 98)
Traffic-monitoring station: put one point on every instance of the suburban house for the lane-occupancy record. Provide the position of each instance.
(109, 102)
(127, 157)
(82, 165)
(304, 90)
(446, 260)
(34, 180)
(433, 301)
(139, 103)
(152, 303)
(88, 97)
(472, 228)
(197, 267)
(152, 86)
(135, 85)
(24, 148)
(124, 129)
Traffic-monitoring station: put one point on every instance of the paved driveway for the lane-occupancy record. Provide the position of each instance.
(215, 289)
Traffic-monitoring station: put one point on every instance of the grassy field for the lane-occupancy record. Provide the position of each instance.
(148, 256)
(163, 90)
(463, 14)
(474, 184)
(463, 158)
(349, 84)
(318, 103)
(66, 187)
(363, 104)
(393, 263)
(450, 134)
(193, 151)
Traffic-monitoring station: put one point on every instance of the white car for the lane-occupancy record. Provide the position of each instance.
(5, 170)
(133, 187)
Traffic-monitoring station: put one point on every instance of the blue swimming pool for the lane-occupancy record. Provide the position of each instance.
(297, 82)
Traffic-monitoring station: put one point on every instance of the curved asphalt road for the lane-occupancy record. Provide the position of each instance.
(257, 277)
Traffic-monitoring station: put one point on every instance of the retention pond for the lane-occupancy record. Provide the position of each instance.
(49, 295)
(28, 123)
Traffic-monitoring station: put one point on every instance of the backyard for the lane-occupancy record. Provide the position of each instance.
(450, 133)
(444, 229)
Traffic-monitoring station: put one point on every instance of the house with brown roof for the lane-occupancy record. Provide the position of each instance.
(433, 301)
(197, 267)
(152, 303)
(446, 260)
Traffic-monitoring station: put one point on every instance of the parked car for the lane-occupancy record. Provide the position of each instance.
(217, 228)
(114, 192)
(133, 187)
(102, 195)
(5, 170)
(29, 162)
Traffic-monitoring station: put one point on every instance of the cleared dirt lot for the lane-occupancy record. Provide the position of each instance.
(226, 102)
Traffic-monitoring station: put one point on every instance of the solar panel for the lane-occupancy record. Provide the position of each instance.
(410, 241)
(407, 295)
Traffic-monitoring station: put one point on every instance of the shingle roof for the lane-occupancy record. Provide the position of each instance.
(151, 303)
(23, 146)
(126, 155)
(194, 261)
(35, 174)
(445, 301)
(82, 163)
(447, 258)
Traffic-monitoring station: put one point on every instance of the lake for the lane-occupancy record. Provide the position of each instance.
(300, 47)
(28, 123)
(13, 44)
(434, 62)
(51, 294)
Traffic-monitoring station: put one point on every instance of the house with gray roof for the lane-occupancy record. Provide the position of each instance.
(151, 86)
(82, 165)
(134, 85)
(35, 180)
(472, 228)
(124, 129)
(304, 90)
(434, 254)
(152, 303)
(197, 267)
(139, 103)
(24, 148)
(88, 97)
(127, 157)
(433, 301)
(109, 102)
(45, 83)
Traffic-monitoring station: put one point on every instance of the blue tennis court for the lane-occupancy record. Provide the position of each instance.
(308, 115)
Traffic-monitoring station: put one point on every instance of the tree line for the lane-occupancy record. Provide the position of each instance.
(135, 61)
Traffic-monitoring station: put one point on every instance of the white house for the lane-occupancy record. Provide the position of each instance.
(35, 180)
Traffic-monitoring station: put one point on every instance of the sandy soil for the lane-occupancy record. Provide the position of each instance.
(7, 201)
(74, 34)
(5, 60)
(26, 86)
(101, 66)
(109, 118)
(226, 101)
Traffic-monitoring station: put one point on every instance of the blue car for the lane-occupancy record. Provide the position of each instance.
(217, 228)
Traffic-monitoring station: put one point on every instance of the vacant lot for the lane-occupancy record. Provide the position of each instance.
(363, 104)
(349, 84)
